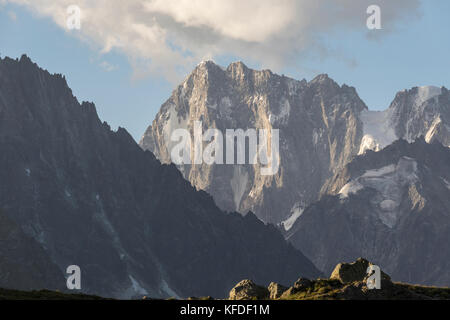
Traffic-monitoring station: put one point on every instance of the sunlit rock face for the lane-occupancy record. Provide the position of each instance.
(421, 111)
(329, 208)
(322, 126)
(319, 132)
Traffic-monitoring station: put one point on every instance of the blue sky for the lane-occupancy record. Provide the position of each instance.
(416, 53)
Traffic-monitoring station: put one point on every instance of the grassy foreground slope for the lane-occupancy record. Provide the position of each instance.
(349, 281)
(8, 294)
(326, 289)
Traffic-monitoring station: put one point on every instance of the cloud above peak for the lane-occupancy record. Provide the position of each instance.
(251, 20)
(168, 37)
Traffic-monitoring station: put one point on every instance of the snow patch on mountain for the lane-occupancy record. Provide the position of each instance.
(350, 188)
(378, 127)
(376, 173)
(377, 130)
(388, 181)
(101, 218)
(369, 178)
(296, 212)
(164, 287)
(136, 288)
(447, 184)
(368, 142)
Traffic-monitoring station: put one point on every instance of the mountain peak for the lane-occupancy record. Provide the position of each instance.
(241, 97)
(425, 93)
(207, 63)
(420, 94)
(323, 78)
(25, 59)
(205, 69)
(238, 68)
(237, 64)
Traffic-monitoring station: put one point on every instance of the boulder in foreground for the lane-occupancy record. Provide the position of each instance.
(347, 282)
(355, 271)
(248, 290)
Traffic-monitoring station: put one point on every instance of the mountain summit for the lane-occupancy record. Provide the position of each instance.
(319, 132)
(322, 127)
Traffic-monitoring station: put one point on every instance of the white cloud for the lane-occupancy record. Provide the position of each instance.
(250, 20)
(168, 37)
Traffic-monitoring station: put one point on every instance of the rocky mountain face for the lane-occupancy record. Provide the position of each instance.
(319, 132)
(421, 111)
(344, 199)
(322, 127)
(79, 193)
(392, 206)
(24, 264)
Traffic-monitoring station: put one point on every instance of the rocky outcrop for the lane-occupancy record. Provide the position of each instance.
(302, 284)
(348, 282)
(276, 290)
(86, 195)
(248, 290)
(354, 272)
